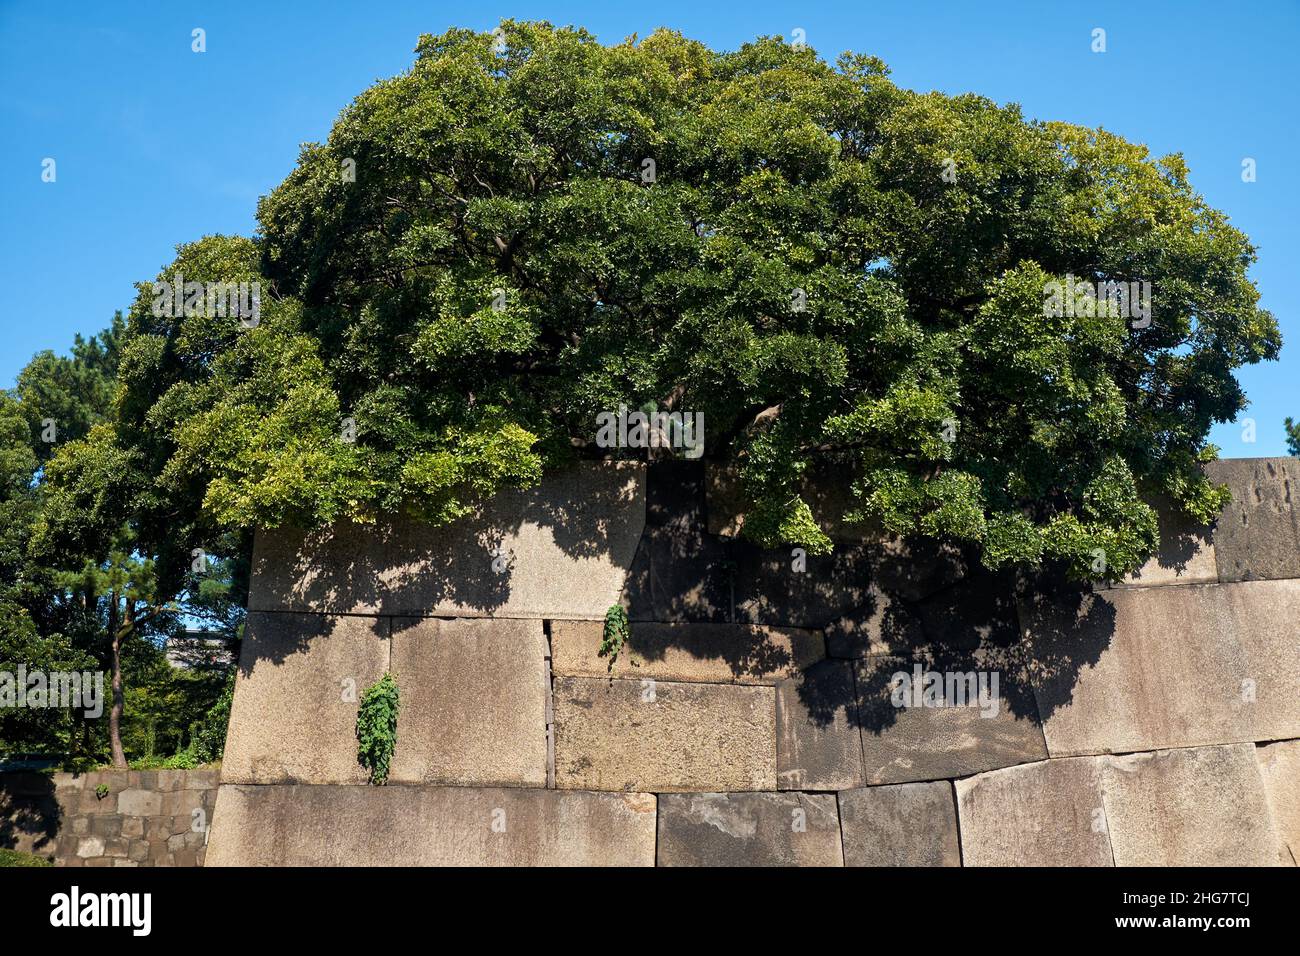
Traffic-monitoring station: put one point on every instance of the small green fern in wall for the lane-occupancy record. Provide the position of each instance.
(377, 728)
(617, 631)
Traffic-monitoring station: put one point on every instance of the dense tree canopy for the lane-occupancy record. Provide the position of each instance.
(529, 229)
(78, 588)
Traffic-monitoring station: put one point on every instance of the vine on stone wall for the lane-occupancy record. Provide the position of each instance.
(617, 631)
(377, 728)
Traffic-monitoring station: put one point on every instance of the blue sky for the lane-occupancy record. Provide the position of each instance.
(157, 145)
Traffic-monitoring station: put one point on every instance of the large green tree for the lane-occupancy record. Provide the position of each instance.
(78, 583)
(528, 229)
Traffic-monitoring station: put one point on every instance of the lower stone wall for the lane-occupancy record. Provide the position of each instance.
(1229, 805)
(770, 707)
(147, 817)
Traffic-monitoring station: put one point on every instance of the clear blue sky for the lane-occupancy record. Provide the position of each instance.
(156, 145)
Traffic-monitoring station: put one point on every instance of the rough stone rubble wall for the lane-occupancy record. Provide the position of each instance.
(749, 720)
(146, 818)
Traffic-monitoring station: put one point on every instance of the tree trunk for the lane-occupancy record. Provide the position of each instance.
(115, 635)
(115, 712)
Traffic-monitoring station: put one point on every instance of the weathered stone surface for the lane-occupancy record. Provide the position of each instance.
(290, 720)
(332, 570)
(674, 496)
(1050, 813)
(911, 824)
(749, 829)
(429, 826)
(916, 568)
(710, 653)
(1265, 616)
(1148, 669)
(818, 745)
(1202, 806)
(564, 550)
(680, 575)
(473, 696)
(1185, 554)
(908, 743)
(778, 587)
(882, 625)
(1279, 764)
(977, 611)
(568, 545)
(662, 736)
(139, 803)
(1258, 534)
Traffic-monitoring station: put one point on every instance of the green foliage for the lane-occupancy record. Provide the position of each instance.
(800, 270)
(101, 791)
(1292, 436)
(617, 631)
(209, 744)
(76, 569)
(17, 858)
(377, 728)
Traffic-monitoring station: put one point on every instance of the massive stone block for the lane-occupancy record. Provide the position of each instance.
(777, 587)
(909, 743)
(560, 550)
(1202, 806)
(1258, 534)
(709, 653)
(295, 708)
(881, 625)
(334, 570)
(818, 743)
(663, 736)
(749, 829)
(429, 826)
(1279, 764)
(1147, 669)
(473, 702)
(978, 611)
(680, 575)
(911, 824)
(1050, 813)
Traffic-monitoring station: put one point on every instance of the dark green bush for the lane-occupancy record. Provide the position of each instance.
(377, 728)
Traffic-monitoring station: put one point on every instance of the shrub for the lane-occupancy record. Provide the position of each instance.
(15, 858)
(377, 728)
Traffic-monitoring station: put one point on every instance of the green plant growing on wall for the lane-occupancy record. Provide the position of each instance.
(101, 791)
(377, 728)
(617, 631)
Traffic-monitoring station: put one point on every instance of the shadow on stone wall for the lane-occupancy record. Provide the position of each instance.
(885, 605)
(30, 815)
(523, 545)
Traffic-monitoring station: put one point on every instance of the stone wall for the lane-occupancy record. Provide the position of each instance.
(752, 717)
(147, 817)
